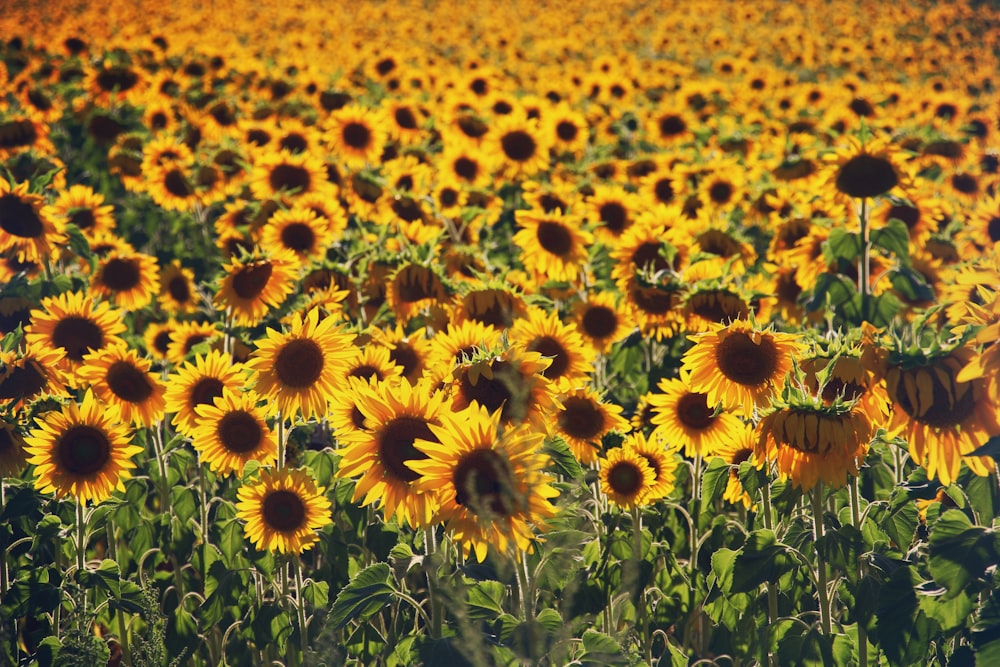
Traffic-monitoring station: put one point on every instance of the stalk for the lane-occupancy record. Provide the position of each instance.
(772, 593)
(864, 260)
(300, 604)
(856, 519)
(119, 614)
(430, 548)
(824, 601)
(641, 600)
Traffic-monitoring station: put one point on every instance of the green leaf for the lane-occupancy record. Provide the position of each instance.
(810, 648)
(723, 564)
(842, 245)
(988, 655)
(317, 593)
(323, 465)
(911, 284)
(47, 529)
(840, 548)
(271, 625)
(601, 650)
(761, 559)
(231, 542)
(950, 612)
(220, 585)
(485, 601)
(364, 596)
(959, 552)
(894, 237)
(563, 459)
(551, 621)
(715, 479)
(904, 631)
(183, 503)
(380, 538)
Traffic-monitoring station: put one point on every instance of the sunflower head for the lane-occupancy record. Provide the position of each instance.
(283, 510)
(626, 477)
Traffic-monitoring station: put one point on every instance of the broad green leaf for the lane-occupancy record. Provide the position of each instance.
(363, 597)
(183, 503)
(840, 548)
(959, 552)
(950, 612)
(563, 459)
(715, 479)
(904, 631)
(842, 246)
(723, 565)
(761, 559)
(601, 650)
(551, 621)
(231, 542)
(271, 625)
(911, 284)
(894, 237)
(485, 600)
(988, 655)
(317, 593)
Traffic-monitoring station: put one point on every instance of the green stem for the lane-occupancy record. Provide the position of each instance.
(821, 574)
(300, 604)
(430, 549)
(279, 429)
(693, 561)
(772, 592)
(120, 614)
(856, 519)
(81, 536)
(524, 592)
(3, 552)
(643, 623)
(864, 260)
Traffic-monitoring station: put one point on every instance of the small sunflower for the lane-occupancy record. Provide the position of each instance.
(255, 285)
(121, 379)
(613, 209)
(740, 365)
(492, 302)
(82, 451)
(86, 209)
(370, 361)
(601, 321)
(282, 175)
(553, 246)
(24, 377)
(185, 336)
(76, 323)
(810, 441)
(356, 135)
(685, 419)
(661, 460)
(13, 457)
(298, 370)
(396, 414)
(458, 344)
(199, 382)
(413, 288)
(626, 477)
(407, 351)
(129, 279)
(27, 227)
(583, 419)
(231, 431)
(543, 332)
(283, 510)
(521, 145)
(866, 171)
(491, 483)
(300, 231)
(177, 293)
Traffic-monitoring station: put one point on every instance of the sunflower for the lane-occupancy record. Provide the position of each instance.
(735, 452)
(521, 146)
(81, 206)
(356, 135)
(298, 369)
(28, 228)
(866, 171)
(468, 164)
(13, 457)
(510, 382)
(129, 279)
(24, 377)
(185, 336)
(601, 321)
(256, 284)
(74, 322)
(626, 477)
(943, 419)
(491, 483)
(661, 460)
(282, 175)
(543, 332)
(173, 187)
(396, 414)
(568, 130)
(810, 440)
(121, 379)
(851, 379)
(413, 288)
(458, 344)
(177, 291)
(684, 419)
(710, 303)
(613, 209)
(553, 246)
(740, 365)
(199, 382)
(283, 510)
(231, 430)
(407, 351)
(370, 361)
(81, 450)
(492, 302)
(297, 230)
(583, 419)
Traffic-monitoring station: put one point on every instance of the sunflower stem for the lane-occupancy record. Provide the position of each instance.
(430, 550)
(300, 605)
(279, 428)
(693, 561)
(81, 536)
(3, 552)
(824, 601)
(521, 567)
(643, 622)
(120, 613)
(772, 593)
(856, 520)
(864, 260)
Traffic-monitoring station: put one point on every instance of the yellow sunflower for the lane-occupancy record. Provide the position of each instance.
(82, 451)
(942, 418)
(370, 361)
(300, 231)
(74, 322)
(177, 293)
(861, 171)
(810, 440)
(493, 302)
(602, 321)
(661, 460)
(255, 285)
(543, 332)
(740, 365)
(457, 344)
(413, 288)
(283, 510)
(13, 458)
(491, 483)
(735, 452)
(86, 209)
(282, 175)
(583, 419)
(184, 336)
(356, 135)
(396, 414)
(199, 382)
(28, 229)
(298, 369)
(24, 377)
(121, 378)
(684, 419)
(407, 351)
(626, 477)
(231, 431)
(553, 246)
(129, 279)
(520, 145)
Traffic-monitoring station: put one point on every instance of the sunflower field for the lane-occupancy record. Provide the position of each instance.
(397, 333)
